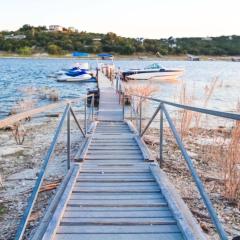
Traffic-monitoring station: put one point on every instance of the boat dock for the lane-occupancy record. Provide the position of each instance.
(115, 193)
(114, 189)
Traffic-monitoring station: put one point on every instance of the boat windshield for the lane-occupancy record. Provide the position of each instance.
(154, 66)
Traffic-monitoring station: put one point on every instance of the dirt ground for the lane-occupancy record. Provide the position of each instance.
(200, 147)
(19, 167)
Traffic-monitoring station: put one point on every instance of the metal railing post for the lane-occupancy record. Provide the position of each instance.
(119, 97)
(68, 139)
(140, 116)
(92, 106)
(161, 138)
(123, 105)
(131, 108)
(117, 80)
(97, 70)
(85, 116)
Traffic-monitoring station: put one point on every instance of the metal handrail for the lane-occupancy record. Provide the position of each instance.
(229, 115)
(163, 112)
(33, 197)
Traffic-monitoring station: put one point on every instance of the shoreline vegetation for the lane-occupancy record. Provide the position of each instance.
(31, 41)
(116, 57)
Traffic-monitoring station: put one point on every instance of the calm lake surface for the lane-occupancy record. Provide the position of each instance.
(19, 74)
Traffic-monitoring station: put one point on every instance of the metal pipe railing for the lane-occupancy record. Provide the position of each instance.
(163, 112)
(195, 177)
(229, 115)
(33, 196)
(68, 111)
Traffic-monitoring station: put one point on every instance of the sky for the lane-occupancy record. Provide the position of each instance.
(128, 18)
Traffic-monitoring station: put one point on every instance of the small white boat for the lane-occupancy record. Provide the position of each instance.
(152, 72)
(79, 78)
(80, 72)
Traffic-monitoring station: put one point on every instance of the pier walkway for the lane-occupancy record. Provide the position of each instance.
(115, 192)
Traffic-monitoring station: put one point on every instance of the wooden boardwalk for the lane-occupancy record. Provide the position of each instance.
(115, 193)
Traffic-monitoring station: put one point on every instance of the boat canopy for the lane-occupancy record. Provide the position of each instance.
(105, 55)
(80, 54)
(154, 66)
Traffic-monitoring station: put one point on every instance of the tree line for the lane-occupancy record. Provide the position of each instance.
(40, 40)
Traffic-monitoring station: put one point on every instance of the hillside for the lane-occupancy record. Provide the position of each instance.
(29, 40)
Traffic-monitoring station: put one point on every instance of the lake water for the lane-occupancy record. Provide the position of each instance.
(19, 74)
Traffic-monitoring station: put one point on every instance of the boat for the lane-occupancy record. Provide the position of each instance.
(153, 71)
(193, 58)
(235, 59)
(80, 72)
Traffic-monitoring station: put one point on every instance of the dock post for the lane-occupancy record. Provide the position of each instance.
(68, 140)
(161, 138)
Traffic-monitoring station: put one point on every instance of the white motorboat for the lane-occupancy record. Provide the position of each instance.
(152, 72)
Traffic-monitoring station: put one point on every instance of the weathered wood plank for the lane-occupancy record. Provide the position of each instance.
(71, 221)
(119, 214)
(117, 209)
(113, 196)
(120, 236)
(119, 229)
(75, 200)
(166, 236)
(115, 184)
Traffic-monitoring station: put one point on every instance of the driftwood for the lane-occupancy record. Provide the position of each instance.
(34, 216)
(50, 186)
(25, 115)
(46, 187)
(199, 214)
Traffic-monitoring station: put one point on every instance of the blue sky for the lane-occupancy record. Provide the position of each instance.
(133, 18)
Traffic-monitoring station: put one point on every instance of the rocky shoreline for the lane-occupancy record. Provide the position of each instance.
(19, 166)
(210, 173)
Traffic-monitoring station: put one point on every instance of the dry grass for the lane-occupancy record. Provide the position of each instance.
(19, 133)
(23, 105)
(141, 90)
(49, 94)
(185, 116)
(146, 90)
(44, 93)
(225, 150)
(208, 92)
(188, 119)
(231, 164)
(31, 94)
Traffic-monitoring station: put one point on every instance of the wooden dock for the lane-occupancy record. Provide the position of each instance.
(116, 193)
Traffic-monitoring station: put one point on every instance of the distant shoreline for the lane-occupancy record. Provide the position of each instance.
(119, 57)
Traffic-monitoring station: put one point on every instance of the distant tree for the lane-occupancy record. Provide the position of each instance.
(25, 51)
(54, 49)
(25, 28)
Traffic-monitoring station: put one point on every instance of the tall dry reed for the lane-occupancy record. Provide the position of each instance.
(188, 119)
(231, 164)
